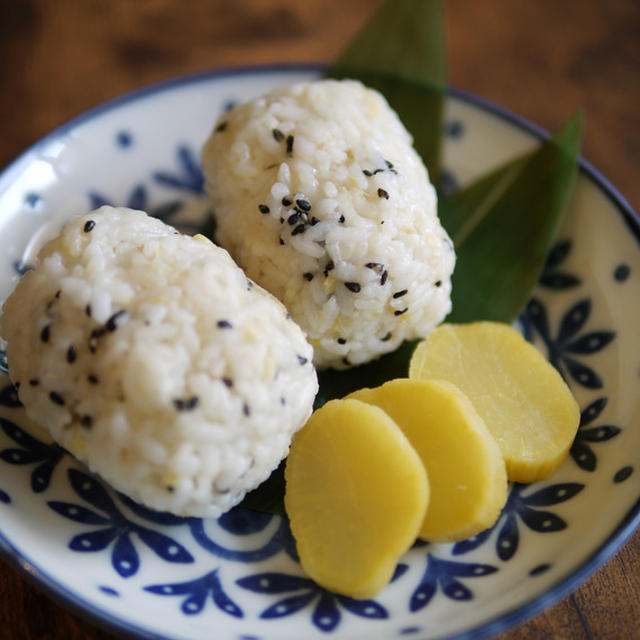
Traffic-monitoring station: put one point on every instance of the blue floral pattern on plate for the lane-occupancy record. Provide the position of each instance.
(195, 594)
(240, 574)
(30, 451)
(114, 527)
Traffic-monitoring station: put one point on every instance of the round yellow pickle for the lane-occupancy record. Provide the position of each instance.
(524, 401)
(356, 495)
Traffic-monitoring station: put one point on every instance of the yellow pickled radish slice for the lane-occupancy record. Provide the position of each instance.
(467, 476)
(523, 400)
(356, 493)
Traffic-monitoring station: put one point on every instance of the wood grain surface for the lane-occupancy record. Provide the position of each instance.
(542, 59)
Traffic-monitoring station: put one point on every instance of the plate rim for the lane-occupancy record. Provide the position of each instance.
(40, 578)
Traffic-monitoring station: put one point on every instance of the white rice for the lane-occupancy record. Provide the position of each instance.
(368, 264)
(150, 356)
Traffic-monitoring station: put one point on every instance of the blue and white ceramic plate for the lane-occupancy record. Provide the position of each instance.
(158, 576)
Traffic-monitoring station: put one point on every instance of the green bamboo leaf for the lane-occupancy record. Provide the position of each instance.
(457, 212)
(404, 39)
(502, 227)
(401, 52)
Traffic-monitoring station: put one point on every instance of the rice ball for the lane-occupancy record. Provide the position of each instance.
(319, 195)
(151, 357)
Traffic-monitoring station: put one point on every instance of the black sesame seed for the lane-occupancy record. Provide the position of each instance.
(111, 324)
(224, 324)
(375, 266)
(87, 310)
(308, 276)
(389, 164)
(89, 225)
(301, 228)
(621, 272)
(93, 339)
(293, 218)
(221, 127)
(438, 283)
(263, 208)
(305, 205)
(341, 341)
(302, 360)
(329, 267)
(33, 382)
(367, 173)
(45, 334)
(341, 219)
(386, 337)
(399, 312)
(290, 140)
(71, 354)
(383, 194)
(93, 378)
(278, 135)
(314, 221)
(245, 409)
(399, 294)
(281, 241)
(86, 421)
(228, 382)
(56, 398)
(286, 202)
(383, 277)
(378, 171)
(186, 405)
(354, 287)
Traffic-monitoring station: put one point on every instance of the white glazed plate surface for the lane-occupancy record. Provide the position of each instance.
(158, 576)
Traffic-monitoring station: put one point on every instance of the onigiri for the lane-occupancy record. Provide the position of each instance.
(150, 356)
(321, 198)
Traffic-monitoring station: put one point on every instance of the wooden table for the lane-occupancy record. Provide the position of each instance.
(541, 59)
